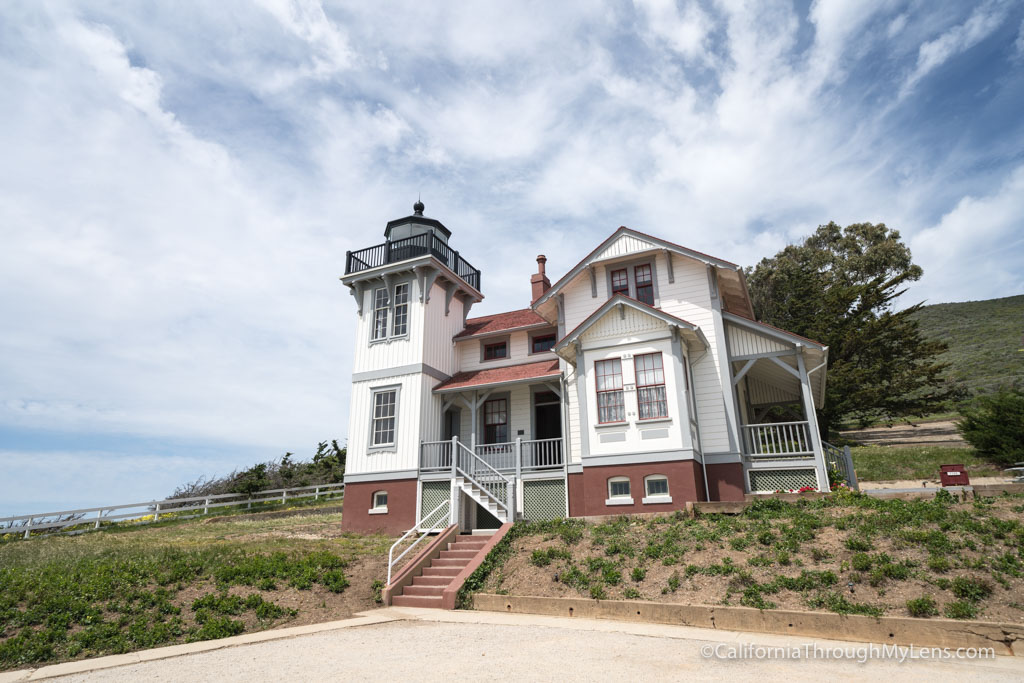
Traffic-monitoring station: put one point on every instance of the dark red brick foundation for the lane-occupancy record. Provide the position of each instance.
(725, 481)
(589, 491)
(401, 514)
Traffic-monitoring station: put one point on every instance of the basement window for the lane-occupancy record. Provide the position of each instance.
(380, 503)
(619, 492)
(656, 489)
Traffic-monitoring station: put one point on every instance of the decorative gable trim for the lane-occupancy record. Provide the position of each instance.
(654, 242)
(621, 303)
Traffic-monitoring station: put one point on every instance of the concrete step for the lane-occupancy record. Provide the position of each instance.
(441, 581)
(450, 572)
(450, 562)
(459, 553)
(467, 548)
(423, 590)
(417, 601)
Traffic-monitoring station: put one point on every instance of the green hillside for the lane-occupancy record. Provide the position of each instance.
(985, 338)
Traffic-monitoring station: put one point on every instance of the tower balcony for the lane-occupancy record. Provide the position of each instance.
(417, 246)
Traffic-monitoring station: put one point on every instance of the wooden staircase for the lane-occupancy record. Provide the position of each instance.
(426, 589)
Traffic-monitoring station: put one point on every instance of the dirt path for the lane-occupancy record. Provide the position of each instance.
(942, 433)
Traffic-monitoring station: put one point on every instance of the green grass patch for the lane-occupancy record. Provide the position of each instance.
(888, 463)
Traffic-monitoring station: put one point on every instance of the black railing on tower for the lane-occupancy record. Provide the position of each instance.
(427, 244)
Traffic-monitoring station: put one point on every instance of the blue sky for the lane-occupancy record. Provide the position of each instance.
(180, 182)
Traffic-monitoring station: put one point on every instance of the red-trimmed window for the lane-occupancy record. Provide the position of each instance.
(610, 403)
(496, 421)
(542, 342)
(620, 282)
(496, 351)
(650, 386)
(644, 279)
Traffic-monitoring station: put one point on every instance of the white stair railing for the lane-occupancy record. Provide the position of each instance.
(490, 481)
(425, 526)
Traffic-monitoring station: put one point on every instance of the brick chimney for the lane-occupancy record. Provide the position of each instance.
(539, 282)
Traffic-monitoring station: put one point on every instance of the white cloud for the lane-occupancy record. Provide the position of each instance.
(685, 31)
(969, 243)
(982, 21)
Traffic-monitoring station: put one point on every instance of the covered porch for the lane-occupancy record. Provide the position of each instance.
(511, 417)
(778, 380)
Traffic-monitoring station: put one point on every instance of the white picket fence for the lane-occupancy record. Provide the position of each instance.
(150, 511)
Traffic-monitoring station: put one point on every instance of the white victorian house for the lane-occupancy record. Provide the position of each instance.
(635, 383)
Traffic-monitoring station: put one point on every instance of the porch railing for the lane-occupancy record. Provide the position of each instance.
(426, 244)
(840, 460)
(494, 484)
(531, 455)
(541, 454)
(778, 439)
(430, 523)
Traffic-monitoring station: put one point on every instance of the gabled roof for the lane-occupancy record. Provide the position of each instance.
(501, 322)
(509, 374)
(622, 300)
(772, 331)
(656, 241)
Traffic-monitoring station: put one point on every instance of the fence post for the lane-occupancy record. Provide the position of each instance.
(28, 532)
(99, 513)
(206, 506)
(316, 494)
(248, 504)
(519, 457)
(284, 496)
(156, 514)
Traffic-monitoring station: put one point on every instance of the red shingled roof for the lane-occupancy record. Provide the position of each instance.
(509, 373)
(499, 322)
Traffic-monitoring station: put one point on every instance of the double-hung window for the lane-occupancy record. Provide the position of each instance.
(496, 421)
(643, 278)
(496, 350)
(620, 282)
(385, 409)
(610, 402)
(650, 386)
(400, 325)
(381, 306)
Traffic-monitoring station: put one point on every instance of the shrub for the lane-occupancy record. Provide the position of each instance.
(673, 582)
(938, 563)
(597, 592)
(631, 593)
(922, 607)
(970, 588)
(858, 544)
(994, 425)
(638, 574)
(861, 562)
(335, 580)
(960, 609)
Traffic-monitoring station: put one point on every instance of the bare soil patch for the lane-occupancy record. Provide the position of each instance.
(940, 433)
(799, 560)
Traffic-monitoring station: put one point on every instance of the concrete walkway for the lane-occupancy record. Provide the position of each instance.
(398, 644)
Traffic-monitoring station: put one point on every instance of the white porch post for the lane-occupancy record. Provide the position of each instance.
(453, 500)
(812, 421)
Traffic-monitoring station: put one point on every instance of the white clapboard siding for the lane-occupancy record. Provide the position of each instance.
(746, 343)
(468, 352)
(391, 353)
(405, 452)
(519, 417)
(624, 246)
(574, 418)
(438, 346)
(689, 298)
(633, 429)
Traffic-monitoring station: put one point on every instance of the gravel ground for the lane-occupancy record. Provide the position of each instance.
(523, 647)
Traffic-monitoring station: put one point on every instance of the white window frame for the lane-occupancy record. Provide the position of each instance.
(598, 391)
(404, 306)
(620, 499)
(377, 508)
(640, 387)
(657, 497)
(374, 392)
(630, 268)
(380, 309)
